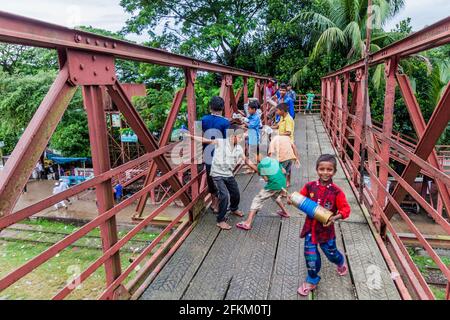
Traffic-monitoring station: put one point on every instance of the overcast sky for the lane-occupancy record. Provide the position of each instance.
(108, 14)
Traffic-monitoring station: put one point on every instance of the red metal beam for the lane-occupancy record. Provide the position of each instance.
(148, 249)
(190, 77)
(163, 140)
(419, 125)
(50, 252)
(32, 144)
(98, 136)
(27, 212)
(21, 30)
(137, 124)
(388, 121)
(430, 37)
(227, 81)
(437, 124)
(245, 90)
(357, 125)
(114, 249)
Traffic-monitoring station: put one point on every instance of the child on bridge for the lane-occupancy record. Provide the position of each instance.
(330, 196)
(228, 153)
(273, 173)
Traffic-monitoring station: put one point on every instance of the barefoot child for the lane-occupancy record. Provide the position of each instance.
(214, 125)
(273, 173)
(227, 154)
(331, 197)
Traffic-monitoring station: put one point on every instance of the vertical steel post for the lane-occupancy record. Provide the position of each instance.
(98, 136)
(323, 96)
(227, 81)
(358, 123)
(266, 106)
(337, 111)
(190, 76)
(257, 90)
(366, 107)
(245, 90)
(388, 120)
(344, 115)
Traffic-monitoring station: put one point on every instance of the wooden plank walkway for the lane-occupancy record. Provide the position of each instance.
(267, 262)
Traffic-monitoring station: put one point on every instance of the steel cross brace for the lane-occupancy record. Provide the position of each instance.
(32, 144)
(164, 140)
(436, 125)
(419, 125)
(137, 124)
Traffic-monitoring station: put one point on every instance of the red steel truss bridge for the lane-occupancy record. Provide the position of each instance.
(191, 258)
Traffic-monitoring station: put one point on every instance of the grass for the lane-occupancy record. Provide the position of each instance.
(55, 226)
(46, 280)
(422, 263)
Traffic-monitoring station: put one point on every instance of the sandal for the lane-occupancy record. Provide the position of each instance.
(304, 289)
(243, 226)
(283, 214)
(342, 270)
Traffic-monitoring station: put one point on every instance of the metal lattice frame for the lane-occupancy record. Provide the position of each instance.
(344, 125)
(88, 60)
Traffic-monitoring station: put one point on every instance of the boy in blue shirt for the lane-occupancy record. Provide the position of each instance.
(253, 125)
(283, 97)
(214, 126)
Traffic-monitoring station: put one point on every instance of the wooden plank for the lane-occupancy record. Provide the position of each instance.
(252, 275)
(290, 268)
(332, 286)
(176, 275)
(237, 252)
(372, 279)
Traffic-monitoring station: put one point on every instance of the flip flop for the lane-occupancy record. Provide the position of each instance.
(282, 214)
(242, 226)
(304, 290)
(342, 270)
(236, 214)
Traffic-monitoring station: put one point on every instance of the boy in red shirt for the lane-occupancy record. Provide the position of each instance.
(327, 194)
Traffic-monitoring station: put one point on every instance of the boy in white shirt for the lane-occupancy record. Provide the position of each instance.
(228, 153)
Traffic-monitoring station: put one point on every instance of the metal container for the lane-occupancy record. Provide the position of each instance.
(311, 208)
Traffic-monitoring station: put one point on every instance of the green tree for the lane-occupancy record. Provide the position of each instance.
(210, 29)
(340, 25)
(25, 60)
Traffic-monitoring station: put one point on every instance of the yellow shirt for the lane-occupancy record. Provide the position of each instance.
(286, 124)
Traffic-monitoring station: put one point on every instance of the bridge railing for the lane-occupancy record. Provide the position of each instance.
(87, 60)
(384, 189)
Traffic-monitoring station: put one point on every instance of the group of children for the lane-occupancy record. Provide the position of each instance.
(225, 146)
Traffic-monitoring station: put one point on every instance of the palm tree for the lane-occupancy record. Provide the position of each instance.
(341, 25)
